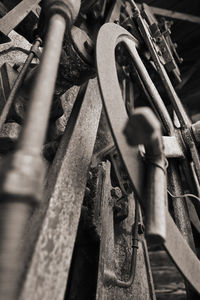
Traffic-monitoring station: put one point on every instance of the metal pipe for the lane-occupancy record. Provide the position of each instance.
(42, 93)
(135, 239)
(21, 187)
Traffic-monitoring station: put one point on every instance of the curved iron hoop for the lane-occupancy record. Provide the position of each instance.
(109, 36)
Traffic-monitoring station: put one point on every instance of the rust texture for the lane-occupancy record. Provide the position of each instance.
(50, 264)
(115, 252)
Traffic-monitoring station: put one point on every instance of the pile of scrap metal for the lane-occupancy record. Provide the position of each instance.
(83, 190)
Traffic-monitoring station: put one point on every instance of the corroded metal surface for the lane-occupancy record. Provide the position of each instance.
(73, 70)
(178, 249)
(116, 252)
(50, 264)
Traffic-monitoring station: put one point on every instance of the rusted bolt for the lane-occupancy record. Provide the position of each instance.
(116, 192)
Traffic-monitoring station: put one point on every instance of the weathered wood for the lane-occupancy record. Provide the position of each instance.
(49, 268)
(116, 251)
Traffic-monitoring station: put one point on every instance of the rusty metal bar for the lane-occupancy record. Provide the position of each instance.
(49, 267)
(21, 185)
(42, 92)
(156, 99)
(18, 82)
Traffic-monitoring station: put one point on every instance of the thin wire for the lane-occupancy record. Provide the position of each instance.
(183, 196)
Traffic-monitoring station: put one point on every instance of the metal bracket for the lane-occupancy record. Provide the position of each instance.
(109, 260)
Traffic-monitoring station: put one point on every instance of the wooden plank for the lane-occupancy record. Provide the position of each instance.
(49, 268)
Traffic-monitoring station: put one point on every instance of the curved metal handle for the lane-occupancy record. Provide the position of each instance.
(107, 249)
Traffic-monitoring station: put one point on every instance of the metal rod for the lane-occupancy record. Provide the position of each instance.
(18, 83)
(156, 99)
(176, 103)
(22, 184)
(43, 89)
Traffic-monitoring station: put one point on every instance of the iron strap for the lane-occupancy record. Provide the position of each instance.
(178, 249)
